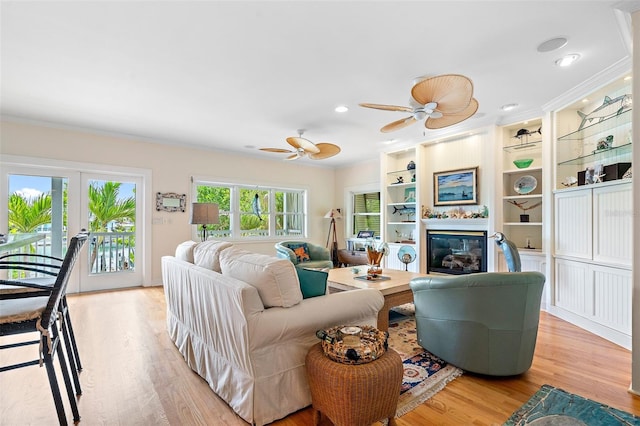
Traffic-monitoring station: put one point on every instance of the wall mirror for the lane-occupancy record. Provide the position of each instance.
(170, 202)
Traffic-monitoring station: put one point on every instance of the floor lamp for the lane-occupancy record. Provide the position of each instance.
(333, 214)
(204, 214)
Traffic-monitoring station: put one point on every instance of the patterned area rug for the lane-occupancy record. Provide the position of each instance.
(424, 373)
(552, 406)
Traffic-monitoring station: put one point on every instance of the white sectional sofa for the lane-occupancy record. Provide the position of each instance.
(240, 321)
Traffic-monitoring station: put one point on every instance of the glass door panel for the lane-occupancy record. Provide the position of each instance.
(110, 209)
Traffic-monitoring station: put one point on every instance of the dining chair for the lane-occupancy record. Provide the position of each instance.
(38, 311)
(34, 275)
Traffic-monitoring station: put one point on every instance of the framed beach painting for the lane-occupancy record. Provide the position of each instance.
(455, 187)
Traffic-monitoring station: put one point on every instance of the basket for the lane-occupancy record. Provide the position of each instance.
(373, 344)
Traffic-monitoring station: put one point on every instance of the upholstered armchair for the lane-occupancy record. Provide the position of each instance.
(484, 323)
(304, 254)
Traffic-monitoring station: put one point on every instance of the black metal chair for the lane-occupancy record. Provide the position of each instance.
(39, 313)
(46, 269)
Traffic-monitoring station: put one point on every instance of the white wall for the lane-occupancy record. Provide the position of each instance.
(171, 168)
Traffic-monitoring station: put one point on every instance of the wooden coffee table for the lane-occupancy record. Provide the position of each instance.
(396, 290)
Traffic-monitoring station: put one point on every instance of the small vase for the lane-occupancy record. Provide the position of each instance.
(524, 218)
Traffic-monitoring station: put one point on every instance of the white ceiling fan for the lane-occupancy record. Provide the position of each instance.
(443, 101)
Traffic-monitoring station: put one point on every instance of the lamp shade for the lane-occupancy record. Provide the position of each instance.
(204, 213)
(333, 214)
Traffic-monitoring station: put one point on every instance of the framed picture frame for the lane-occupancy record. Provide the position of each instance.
(455, 187)
(410, 194)
(170, 202)
(366, 234)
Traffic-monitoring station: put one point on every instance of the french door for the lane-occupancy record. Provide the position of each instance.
(56, 203)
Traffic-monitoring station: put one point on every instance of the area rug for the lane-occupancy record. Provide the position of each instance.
(424, 374)
(551, 406)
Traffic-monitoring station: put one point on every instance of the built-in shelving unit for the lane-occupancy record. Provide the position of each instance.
(525, 232)
(593, 218)
(582, 129)
(401, 215)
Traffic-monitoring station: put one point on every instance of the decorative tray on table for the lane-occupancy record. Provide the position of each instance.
(353, 345)
(370, 278)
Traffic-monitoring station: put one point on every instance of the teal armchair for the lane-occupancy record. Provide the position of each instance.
(484, 323)
(319, 257)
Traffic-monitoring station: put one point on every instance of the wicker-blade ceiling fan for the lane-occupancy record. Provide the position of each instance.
(442, 100)
(304, 147)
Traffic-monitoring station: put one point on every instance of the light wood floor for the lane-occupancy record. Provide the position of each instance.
(134, 375)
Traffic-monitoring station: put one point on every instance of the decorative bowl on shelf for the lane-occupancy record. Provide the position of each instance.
(523, 163)
(525, 184)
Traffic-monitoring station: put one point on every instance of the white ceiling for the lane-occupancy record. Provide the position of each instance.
(237, 76)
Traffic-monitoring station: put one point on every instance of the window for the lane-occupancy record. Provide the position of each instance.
(366, 212)
(254, 212)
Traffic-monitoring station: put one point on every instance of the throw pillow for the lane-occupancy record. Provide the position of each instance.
(184, 251)
(312, 282)
(207, 254)
(301, 250)
(274, 278)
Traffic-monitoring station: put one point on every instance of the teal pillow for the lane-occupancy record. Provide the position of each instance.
(312, 282)
(301, 251)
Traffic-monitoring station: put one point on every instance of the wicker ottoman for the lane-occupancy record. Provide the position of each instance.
(354, 395)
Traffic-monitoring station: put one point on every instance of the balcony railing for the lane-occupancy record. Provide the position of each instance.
(111, 252)
(108, 251)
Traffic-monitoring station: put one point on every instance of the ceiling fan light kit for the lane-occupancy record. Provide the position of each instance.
(441, 101)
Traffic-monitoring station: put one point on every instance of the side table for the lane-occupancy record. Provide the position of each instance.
(354, 395)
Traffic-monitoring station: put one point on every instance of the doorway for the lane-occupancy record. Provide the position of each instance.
(56, 203)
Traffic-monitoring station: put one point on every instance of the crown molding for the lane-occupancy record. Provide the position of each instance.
(597, 81)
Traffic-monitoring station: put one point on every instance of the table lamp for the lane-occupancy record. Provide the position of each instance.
(204, 214)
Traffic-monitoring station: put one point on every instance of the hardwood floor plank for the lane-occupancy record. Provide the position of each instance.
(134, 375)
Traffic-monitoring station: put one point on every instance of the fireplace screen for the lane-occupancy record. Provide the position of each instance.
(456, 252)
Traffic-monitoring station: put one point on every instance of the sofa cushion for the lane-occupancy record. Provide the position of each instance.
(207, 254)
(275, 279)
(313, 282)
(301, 251)
(184, 251)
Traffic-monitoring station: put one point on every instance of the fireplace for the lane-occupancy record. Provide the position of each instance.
(456, 252)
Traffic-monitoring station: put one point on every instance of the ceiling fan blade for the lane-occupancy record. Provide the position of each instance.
(452, 92)
(397, 125)
(305, 144)
(293, 156)
(275, 150)
(387, 107)
(326, 150)
(451, 119)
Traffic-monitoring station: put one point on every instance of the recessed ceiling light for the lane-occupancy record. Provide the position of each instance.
(552, 44)
(567, 60)
(342, 108)
(389, 142)
(585, 100)
(627, 78)
(508, 107)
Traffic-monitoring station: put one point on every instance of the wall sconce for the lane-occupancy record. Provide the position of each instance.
(204, 214)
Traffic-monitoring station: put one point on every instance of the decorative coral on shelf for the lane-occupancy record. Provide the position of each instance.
(522, 206)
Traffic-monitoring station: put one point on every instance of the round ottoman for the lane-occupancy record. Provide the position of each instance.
(354, 395)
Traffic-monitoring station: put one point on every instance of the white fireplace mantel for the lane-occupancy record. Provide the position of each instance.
(477, 224)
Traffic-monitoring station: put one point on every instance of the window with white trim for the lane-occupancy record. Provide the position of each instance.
(366, 212)
(254, 212)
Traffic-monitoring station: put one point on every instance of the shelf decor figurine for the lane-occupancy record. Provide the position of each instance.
(524, 217)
